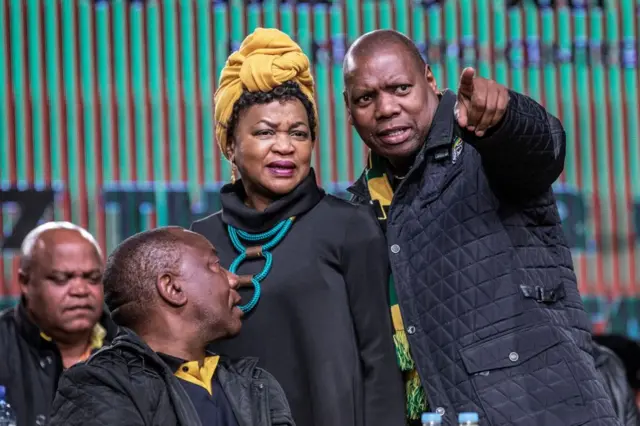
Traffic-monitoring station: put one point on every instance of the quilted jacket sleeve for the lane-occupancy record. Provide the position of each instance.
(366, 272)
(89, 396)
(631, 415)
(278, 404)
(525, 154)
(615, 380)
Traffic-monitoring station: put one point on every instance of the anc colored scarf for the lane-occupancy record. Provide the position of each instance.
(381, 192)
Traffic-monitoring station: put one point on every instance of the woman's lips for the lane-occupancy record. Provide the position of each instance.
(282, 168)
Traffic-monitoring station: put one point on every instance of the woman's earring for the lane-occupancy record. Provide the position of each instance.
(233, 172)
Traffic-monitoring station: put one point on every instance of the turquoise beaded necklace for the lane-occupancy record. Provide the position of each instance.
(275, 234)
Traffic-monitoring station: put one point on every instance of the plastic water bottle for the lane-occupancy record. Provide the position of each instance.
(7, 415)
(468, 419)
(431, 419)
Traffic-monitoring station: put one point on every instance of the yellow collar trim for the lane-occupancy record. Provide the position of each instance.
(201, 376)
(97, 337)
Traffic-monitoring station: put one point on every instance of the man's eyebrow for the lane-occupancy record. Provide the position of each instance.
(71, 272)
(361, 91)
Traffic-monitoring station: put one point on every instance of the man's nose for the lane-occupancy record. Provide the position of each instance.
(233, 279)
(387, 106)
(79, 286)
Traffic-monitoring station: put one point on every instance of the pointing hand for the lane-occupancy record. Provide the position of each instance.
(481, 102)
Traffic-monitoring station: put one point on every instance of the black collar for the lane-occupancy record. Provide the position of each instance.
(443, 125)
(172, 362)
(359, 187)
(299, 201)
(29, 330)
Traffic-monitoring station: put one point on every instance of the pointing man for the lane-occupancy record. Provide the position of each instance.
(484, 293)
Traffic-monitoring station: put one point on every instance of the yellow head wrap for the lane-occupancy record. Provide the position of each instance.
(266, 59)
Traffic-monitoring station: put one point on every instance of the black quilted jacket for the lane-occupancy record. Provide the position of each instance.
(485, 279)
(129, 384)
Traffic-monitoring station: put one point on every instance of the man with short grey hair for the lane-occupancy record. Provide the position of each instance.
(59, 320)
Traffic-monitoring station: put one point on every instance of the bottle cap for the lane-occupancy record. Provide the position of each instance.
(431, 417)
(468, 418)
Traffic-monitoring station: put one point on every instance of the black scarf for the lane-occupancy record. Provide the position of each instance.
(299, 201)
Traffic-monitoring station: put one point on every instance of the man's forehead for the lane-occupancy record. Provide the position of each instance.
(380, 64)
(359, 58)
(197, 243)
(57, 238)
(63, 245)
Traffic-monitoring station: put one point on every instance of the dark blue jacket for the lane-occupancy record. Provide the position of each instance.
(485, 279)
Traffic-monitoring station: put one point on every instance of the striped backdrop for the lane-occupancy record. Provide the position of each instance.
(109, 104)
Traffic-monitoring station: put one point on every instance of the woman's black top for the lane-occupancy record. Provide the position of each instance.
(322, 326)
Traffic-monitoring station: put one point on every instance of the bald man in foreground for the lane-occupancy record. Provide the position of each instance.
(59, 320)
(166, 289)
(483, 285)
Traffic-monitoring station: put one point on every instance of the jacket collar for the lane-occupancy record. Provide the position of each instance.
(128, 339)
(29, 330)
(226, 371)
(443, 126)
(359, 187)
(602, 355)
(39, 340)
(242, 367)
(440, 136)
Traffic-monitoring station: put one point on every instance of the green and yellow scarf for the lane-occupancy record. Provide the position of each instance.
(380, 191)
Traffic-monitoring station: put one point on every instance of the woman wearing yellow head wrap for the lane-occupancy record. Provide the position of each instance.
(316, 313)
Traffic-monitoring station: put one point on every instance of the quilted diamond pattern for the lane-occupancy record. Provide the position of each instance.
(480, 245)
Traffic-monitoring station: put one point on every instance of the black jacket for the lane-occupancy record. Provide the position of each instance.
(615, 380)
(30, 366)
(484, 275)
(129, 384)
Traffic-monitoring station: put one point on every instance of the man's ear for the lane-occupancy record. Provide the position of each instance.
(346, 104)
(431, 79)
(23, 281)
(171, 290)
